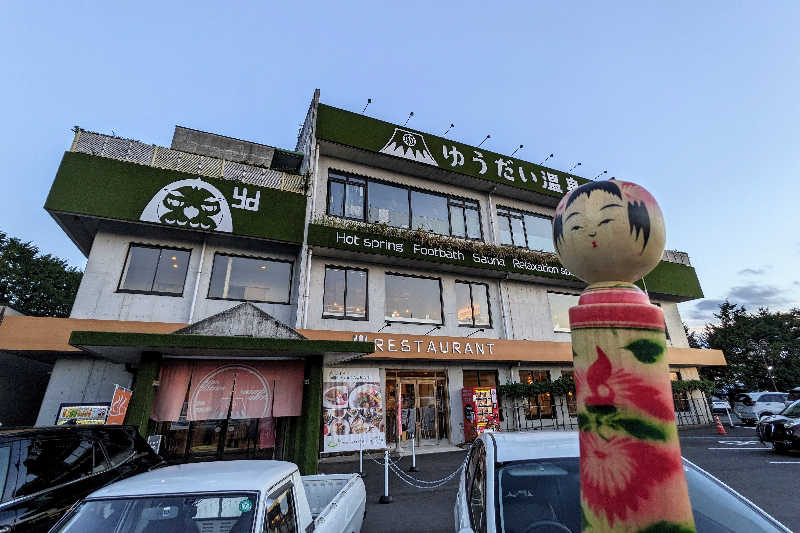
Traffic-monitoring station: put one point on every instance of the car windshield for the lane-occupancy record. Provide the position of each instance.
(792, 410)
(544, 492)
(543, 497)
(220, 513)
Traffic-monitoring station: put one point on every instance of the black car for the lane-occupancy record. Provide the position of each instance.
(45, 470)
(783, 429)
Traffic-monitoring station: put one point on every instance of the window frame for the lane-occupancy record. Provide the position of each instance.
(441, 300)
(511, 212)
(245, 256)
(366, 291)
(152, 282)
(343, 177)
(551, 309)
(472, 305)
(284, 488)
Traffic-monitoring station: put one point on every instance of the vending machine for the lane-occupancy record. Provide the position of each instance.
(480, 411)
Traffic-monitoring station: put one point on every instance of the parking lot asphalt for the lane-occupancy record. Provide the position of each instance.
(737, 459)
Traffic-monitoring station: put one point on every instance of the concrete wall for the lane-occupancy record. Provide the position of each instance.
(98, 297)
(80, 380)
(221, 147)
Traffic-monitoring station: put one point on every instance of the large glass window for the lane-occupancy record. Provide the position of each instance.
(539, 405)
(345, 294)
(412, 299)
(559, 309)
(346, 196)
(429, 212)
(525, 230)
(155, 270)
(472, 304)
(402, 207)
(388, 205)
(251, 279)
(480, 378)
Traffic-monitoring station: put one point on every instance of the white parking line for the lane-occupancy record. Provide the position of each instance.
(739, 448)
(784, 462)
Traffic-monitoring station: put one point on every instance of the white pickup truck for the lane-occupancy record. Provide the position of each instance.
(222, 497)
(530, 483)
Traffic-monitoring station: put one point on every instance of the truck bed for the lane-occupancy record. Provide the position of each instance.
(343, 492)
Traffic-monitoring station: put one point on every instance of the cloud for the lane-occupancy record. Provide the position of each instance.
(704, 310)
(753, 271)
(755, 296)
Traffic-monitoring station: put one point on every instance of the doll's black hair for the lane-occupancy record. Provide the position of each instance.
(638, 216)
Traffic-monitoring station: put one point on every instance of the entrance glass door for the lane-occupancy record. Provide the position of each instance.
(426, 412)
(423, 413)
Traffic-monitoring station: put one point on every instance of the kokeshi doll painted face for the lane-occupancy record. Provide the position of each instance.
(609, 231)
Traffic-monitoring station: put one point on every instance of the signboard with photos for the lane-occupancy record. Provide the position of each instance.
(352, 409)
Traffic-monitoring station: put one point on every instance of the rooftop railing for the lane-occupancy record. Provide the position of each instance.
(89, 142)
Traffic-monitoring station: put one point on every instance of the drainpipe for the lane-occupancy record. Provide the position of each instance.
(307, 298)
(197, 280)
(503, 314)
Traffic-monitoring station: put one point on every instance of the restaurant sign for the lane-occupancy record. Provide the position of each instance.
(108, 188)
(352, 129)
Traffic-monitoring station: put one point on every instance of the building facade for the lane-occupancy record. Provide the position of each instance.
(371, 274)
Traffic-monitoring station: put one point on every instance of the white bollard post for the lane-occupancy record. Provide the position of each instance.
(361, 457)
(730, 420)
(413, 456)
(385, 498)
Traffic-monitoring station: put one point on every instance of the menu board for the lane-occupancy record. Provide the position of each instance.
(352, 410)
(82, 413)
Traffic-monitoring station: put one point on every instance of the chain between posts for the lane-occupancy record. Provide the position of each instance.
(410, 480)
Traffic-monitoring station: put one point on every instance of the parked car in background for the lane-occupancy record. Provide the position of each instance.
(530, 483)
(719, 405)
(751, 406)
(782, 430)
(45, 470)
(223, 497)
(793, 395)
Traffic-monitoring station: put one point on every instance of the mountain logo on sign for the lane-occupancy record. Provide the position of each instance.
(190, 204)
(409, 145)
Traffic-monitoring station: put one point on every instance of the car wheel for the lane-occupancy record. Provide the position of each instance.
(779, 447)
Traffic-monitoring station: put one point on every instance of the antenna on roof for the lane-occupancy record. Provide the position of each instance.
(448, 129)
(409, 118)
(369, 101)
(545, 159)
(484, 140)
(573, 167)
(516, 150)
(603, 172)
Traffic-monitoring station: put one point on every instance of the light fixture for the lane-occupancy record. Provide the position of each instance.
(174, 265)
(174, 258)
(263, 267)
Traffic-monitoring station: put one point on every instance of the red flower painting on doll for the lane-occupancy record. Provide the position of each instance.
(614, 387)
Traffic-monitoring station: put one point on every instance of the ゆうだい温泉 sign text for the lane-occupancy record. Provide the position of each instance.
(352, 129)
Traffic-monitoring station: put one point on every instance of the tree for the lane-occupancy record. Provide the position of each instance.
(33, 283)
(752, 343)
(695, 340)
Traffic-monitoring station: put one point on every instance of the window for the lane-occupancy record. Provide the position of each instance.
(539, 405)
(525, 230)
(345, 293)
(480, 378)
(472, 304)
(346, 196)
(402, 207)
(251, 279)
(571, 399)
(429, 212)
(679, 399)
(413, 299)
(388, 205)
(559, 309)
(477, 493)
(465, 220)
(5, 459)
(52, 462)
(155, 270)
(281, 514)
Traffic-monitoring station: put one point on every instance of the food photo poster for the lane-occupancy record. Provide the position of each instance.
(352, 410)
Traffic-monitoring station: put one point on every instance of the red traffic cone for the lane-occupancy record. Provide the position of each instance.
(720, 429)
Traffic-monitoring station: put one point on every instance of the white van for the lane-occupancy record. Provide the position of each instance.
(751, 406)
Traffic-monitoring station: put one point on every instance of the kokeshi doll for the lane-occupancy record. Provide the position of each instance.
(610, 234)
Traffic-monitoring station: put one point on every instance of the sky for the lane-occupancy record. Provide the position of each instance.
(695, 101)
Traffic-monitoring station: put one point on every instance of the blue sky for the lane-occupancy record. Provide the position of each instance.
(695, 101)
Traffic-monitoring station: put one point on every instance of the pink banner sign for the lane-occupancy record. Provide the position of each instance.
(210, 393)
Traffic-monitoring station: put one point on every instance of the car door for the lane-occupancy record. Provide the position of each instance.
(771, 403)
